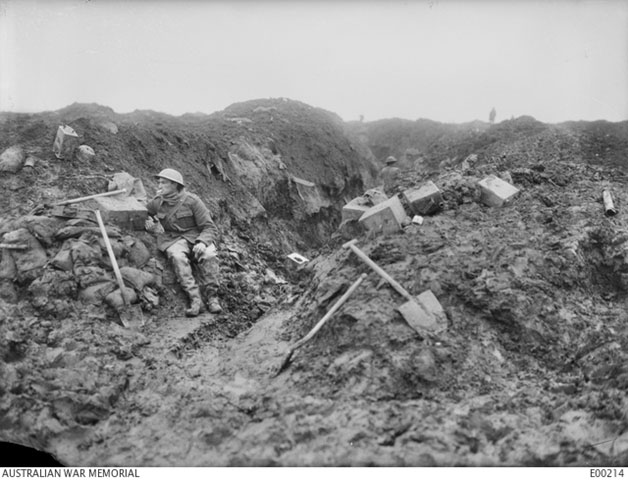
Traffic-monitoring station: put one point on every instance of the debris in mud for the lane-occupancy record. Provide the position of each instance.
(65, 142)
(425, 200)
(385, 217)
(12, 159)
(496, 192)
(609, 206)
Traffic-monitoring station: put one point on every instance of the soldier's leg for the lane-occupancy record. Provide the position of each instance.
(209, 276)
(178, 254)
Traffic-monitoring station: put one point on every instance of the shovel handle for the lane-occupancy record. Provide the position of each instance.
(13, 246)
(112, 256)
(331, 311)
(89, 197)
(364, 257)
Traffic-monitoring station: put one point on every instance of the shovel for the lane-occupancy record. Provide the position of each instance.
(130, 312)
(412, 311)
(288, 357)
(39, 208)
(89, 197)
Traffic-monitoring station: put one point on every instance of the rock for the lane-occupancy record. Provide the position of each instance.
(133, 186)
(375, 196)
(12, 159)
(109, 127)
(8, 292)
(85, 153)
(349, 229)
(506, 177)
(52, 284)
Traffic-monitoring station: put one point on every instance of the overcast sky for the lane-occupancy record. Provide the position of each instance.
(446, 60)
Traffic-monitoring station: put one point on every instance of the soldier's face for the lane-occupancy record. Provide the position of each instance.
(165, 187)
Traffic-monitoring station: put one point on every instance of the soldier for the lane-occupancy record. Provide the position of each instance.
(186, 232)
(491, 115)
(389, 174)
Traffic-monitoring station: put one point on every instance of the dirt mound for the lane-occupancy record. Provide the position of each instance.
(531, 370)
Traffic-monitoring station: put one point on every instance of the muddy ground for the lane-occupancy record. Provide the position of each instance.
(530, 371)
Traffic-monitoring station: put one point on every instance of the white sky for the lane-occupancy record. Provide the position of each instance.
(446, 60)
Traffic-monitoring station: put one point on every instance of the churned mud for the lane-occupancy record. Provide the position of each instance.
(531, 369)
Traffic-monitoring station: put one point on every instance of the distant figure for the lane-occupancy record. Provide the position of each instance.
(361, 118)
(389, 174)
(491, 116)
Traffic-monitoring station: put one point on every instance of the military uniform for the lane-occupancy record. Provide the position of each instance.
(186, 221)
(389, 177)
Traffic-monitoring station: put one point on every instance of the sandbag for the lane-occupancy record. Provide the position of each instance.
(89, 274)
(137, 252)
(63, 259)
(138, 279)
(42, 227)
(115, 300)
(12, 159)
(86, 251)
(8, 270)
(77, 231)
(28, 262)
(95, 294)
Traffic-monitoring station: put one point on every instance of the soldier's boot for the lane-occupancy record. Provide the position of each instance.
(213, 305)
(209, 274)
(196, 304)
(183, 271)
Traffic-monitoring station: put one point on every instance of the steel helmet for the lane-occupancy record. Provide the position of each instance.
(390, 160)
(172, 175)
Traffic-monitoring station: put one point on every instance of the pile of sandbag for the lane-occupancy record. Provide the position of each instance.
(60, 261)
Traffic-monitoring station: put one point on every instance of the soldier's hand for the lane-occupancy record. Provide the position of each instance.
(153, 226)
(149, 225)
(199, 249)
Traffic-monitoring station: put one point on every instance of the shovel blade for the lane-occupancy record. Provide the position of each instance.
(424, 314)
(131, 316)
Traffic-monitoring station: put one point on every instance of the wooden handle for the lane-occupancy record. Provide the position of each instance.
(89, 197)
(381, 272)
(331, 311)
(14, 246)
(112, 256)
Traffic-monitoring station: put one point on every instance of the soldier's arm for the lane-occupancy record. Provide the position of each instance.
(209, 232)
